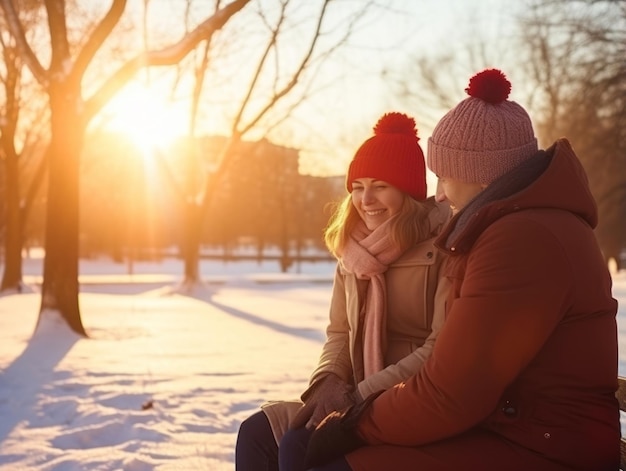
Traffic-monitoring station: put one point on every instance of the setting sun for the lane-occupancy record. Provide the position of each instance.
(146, 116)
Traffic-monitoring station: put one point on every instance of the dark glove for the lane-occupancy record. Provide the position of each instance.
(336, 435)
(329, 394)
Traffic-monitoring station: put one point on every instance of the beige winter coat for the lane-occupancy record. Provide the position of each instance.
(416, 296)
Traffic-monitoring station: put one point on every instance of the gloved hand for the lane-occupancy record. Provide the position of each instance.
(329, 394)
(336, 435)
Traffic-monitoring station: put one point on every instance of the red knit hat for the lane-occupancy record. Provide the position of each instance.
(392, 155)
(484, 136)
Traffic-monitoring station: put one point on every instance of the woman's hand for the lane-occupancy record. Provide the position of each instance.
(328, 395)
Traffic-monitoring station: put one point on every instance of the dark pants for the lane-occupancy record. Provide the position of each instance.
(256, 449)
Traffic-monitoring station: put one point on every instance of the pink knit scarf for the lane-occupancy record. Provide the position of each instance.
(368, 254)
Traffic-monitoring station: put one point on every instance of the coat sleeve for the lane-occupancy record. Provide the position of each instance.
(412, 363)
(514, 288)
(335, 356)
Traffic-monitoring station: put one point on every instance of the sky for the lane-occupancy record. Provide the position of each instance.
(165, 379)
(351, 92)
(382, 52)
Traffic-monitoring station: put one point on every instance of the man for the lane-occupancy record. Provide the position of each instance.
(524, 371)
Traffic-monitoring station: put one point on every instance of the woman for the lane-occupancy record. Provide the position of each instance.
(383, 315)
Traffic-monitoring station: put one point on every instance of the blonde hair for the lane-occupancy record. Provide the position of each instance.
(408, 227)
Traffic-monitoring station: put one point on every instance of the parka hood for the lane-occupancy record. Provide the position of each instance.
(553, 179)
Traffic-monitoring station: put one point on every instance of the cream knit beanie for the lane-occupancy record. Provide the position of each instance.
(484, 136)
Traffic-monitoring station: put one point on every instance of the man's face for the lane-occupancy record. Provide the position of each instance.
(456, 192)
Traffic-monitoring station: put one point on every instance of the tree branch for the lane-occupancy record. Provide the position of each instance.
(296, 76)
(270, 45)
(99, 35)
(26, 53)
(58, 36)
(167, 56)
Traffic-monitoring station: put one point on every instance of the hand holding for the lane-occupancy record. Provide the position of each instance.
(336, 435)
(330, 394)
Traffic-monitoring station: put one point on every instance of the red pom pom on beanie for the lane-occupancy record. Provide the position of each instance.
(394, 122)
(490, 85)
(392, 155)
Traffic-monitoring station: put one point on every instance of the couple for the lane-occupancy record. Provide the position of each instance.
(522, 373)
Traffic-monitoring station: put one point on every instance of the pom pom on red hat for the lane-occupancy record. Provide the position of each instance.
(490, 85)
(396, 123)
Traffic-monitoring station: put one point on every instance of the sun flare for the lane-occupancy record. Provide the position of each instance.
(147, 117)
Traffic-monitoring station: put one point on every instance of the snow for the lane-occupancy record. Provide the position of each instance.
(165, 378)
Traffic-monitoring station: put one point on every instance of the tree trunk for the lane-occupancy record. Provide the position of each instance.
(60, 272)
(192, 234)
(12, 276)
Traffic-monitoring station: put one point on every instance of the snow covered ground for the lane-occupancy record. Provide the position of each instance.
(165, 379)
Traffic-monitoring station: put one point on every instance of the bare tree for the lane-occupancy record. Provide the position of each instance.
(272, 81)
(17, 203)
(572, 78)
(192, 217)
(70, 114)
(576, 54)
(12, 276)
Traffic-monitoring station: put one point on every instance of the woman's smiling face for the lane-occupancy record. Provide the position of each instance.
(375, 200)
